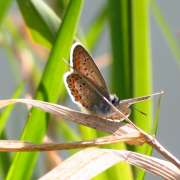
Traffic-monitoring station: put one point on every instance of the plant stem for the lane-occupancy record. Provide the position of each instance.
(162, 150)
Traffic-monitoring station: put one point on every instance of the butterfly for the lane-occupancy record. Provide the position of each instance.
(87, 87)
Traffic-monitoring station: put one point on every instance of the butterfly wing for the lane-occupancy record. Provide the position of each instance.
(83, 92)
(83, 63)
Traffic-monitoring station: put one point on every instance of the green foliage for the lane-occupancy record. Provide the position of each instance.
(4, 116)
(7, 111)
(41, 20)
(165, 28)
(4, 6)
(121, 67)
(142, 71)
(96, 28)
(50, 88)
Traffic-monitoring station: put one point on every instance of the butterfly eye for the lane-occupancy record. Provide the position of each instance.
(114, 100)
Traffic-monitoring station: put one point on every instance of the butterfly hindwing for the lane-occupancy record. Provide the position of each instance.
(83, 92)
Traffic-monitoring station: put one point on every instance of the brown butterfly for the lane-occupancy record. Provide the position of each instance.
(87, 87)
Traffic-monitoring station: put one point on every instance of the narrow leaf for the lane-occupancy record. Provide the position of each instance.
(121, 66)
(50, 88)
(142, 70)
(93, 161)
(4, 6)
(6, 113)
(96, 28)
(5, 160)
(40, 19)
(164, 26)
(93, 121)
(24, 146)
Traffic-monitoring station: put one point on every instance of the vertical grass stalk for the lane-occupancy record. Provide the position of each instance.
(121, 69)
(142, 70)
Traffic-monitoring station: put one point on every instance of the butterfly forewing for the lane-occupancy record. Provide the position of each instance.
(83, 63)
(83, 92)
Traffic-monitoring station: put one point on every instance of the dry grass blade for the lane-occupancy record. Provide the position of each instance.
(93, 121)
(92, 161)
(154, 165)
(19, 146)
(117, 128)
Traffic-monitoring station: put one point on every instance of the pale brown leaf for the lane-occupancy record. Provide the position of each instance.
(93, 121)
(19, 146)
(87, 163)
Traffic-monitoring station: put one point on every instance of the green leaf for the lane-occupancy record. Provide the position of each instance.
(121, 67)
(68, 132)
(50, 88)
(4, 7)
(41, 20)
(7, 111)
(142, 70)
(156, 120)
(96, 28)
(164, 26)
(5, 160)
(4, 116)
(61, 6)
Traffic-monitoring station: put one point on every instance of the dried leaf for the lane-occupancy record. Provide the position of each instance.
(87, 163)
(93, 121)
(17, 146)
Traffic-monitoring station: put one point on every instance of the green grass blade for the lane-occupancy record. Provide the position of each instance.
(50, 88)
(40, 19)
(156, 120)
(87, 133)
(61, 6)
(173, 45)
(5, 160)
(121, 79)
(63, 3)
(119, 28)
(4, 6)
(142, 70)
(154, 128)
(4, 116)
(7, 111)
(68, 132)
(96, 28)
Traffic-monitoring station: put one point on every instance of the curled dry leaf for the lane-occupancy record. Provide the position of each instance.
(93, 161)
(133, 136)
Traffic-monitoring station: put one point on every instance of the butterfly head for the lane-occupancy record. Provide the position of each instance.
(114, 99)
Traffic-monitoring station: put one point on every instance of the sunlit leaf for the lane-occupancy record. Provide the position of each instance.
(92, 161)
(40, 19)
(50, 88)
